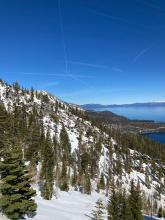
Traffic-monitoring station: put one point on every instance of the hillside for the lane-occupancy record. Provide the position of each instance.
(66, 149)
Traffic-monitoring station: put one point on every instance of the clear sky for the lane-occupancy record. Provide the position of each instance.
(85, 51)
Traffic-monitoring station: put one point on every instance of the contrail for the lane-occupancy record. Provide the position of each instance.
(116, 18)
(140, 54)
(64, 45)
(116, 69)
(120, 19)
(151, 5)
(88, 64)
(49, 84)
(50, 74)
(63, 36)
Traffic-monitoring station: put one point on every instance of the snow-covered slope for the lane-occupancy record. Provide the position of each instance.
(73, 205)
(69, 206)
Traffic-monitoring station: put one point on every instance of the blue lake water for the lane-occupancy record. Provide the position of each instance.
(159, 137)
(148, 218)
(140, 113)
(156, 114)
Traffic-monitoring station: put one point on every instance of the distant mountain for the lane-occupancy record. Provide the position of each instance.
(145, 104)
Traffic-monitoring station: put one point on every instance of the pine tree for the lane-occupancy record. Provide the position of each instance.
(155, 206)
(160, 212)
(125, 208)
(15, 191)
(85, 160)
(102, 182)
(112, 207)
(128, 162)
(118, 206)
(74, 177)
(3, 116)
(87, 187)
(47, 169)
(135, 202)
(32, 153)
(63, 179)
(147, 180)
(23, 127)
(98, 212)
(16, 87)
(32, 94)
(65, 144)
(163, 213)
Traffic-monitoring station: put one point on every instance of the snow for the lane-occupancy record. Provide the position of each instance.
(73, 205)
(68, 206)
(2, 217)
(73, 140)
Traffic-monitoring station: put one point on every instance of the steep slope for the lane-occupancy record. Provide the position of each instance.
(97, 151)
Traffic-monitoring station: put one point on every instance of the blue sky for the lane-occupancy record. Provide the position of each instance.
(85, 51)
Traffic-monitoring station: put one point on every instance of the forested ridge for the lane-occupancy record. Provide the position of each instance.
(53, 145)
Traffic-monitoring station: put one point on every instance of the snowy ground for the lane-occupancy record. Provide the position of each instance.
(68, 206)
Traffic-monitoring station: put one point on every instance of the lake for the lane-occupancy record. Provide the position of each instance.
(159, 137)
(140, 113)
(156, 114)
(149, 218)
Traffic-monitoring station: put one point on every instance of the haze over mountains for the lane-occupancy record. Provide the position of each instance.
(143, 104)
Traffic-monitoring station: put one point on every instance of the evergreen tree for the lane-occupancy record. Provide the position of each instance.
(118, 206)
(113, 204)
(135, 202)
(3, 116)
(65, 144)
(34, 147)
(47, 170)
(74, 177)
(98, 212)
(15, 191)
(125, 208)
(155, 206)
(147, 180)
(23, 127)
(32, 94)
(85, 160)
(160, 212)
(63, 179)
(102, 182)
(94, 158)
(87, 187)
(163, 213)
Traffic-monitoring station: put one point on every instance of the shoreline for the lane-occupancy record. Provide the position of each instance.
(156, 130)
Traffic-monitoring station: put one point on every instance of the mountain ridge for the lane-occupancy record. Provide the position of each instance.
(97, 150)
(143, 104)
